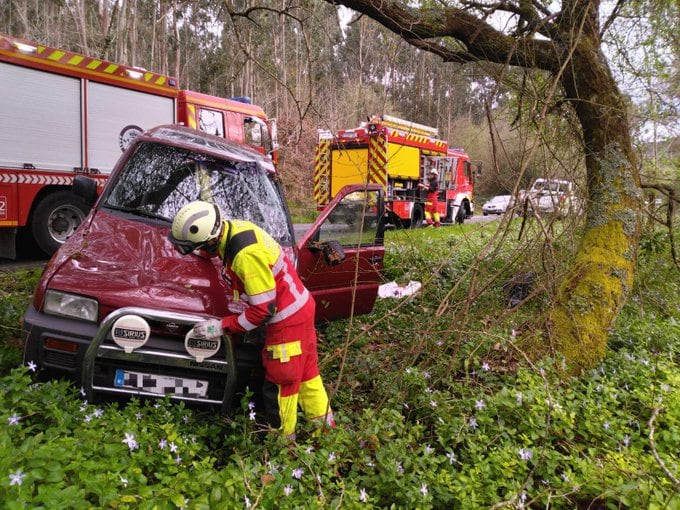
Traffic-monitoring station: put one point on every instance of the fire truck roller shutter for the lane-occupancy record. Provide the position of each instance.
(28, 136)
(348, 166)
(403, 162)
(109, 110)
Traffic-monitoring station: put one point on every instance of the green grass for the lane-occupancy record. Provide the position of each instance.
(437, 406)
(16, 290)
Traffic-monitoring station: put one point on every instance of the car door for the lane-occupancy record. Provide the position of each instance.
(341, 257)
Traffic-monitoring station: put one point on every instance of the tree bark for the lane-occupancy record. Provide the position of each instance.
(600, 279)
(592, 294)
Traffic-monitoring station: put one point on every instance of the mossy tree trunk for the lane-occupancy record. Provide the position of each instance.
(598, 284)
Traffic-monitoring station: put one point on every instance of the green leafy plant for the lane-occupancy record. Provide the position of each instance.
(437, 406)
(16, 289)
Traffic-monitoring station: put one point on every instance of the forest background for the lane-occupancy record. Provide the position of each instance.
(315, 66)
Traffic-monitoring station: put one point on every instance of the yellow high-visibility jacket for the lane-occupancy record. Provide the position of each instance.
(260, 272)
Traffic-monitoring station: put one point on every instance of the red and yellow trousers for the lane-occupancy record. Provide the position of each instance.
(431, 214)
(292, 376)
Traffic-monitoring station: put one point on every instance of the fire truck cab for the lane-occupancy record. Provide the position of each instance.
(66, 114)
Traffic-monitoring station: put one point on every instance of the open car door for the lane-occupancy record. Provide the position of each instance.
(341, 257)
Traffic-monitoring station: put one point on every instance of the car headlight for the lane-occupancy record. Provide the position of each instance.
(71, 305)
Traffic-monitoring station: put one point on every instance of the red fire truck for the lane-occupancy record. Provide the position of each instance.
(65, 114)
(396, 154)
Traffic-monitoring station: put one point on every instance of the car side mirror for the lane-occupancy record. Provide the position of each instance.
(332, 251)
(85, 188)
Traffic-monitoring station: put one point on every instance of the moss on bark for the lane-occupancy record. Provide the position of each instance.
(590, 297)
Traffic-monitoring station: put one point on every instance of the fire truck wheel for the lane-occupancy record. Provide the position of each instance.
(417, 216)
(55, 218)
(460, 215)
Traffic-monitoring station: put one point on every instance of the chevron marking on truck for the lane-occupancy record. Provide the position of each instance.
(68, 59)
(422, 140)
(35, 179)
(377, 160)
(322, 163)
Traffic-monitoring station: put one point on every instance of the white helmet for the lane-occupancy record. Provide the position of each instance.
(194, 225)
(434, 172)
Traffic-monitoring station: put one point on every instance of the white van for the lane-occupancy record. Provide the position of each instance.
(554, 197)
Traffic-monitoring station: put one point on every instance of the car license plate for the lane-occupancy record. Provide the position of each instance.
(161, 384)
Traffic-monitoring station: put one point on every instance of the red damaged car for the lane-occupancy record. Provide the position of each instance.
(114, 306)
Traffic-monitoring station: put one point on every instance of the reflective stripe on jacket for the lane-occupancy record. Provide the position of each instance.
(257, 267)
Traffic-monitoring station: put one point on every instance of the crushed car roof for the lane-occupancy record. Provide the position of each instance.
(203, 142)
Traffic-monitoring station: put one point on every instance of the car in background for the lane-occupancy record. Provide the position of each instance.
(497, 205)
(554, 197)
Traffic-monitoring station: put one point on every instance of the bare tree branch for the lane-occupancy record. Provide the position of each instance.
(652, 445)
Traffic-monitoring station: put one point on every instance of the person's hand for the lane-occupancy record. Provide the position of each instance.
(212, 328)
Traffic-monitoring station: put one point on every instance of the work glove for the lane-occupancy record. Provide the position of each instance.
(212, 328)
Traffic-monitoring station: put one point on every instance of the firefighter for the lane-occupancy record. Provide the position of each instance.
(267, 287)
(432, 187)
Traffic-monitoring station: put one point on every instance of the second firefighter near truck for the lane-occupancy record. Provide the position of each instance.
(431, 206)
(267, 292)
(397, 154)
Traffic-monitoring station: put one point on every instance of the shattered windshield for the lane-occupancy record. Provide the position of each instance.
(159, 180)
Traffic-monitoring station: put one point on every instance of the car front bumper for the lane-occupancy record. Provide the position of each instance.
(86, 354)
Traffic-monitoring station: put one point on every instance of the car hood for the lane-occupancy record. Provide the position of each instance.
(128, 262)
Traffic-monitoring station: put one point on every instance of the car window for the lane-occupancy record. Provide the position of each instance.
(159, 180)
(354, 221)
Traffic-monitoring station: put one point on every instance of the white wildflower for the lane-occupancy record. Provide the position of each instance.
(363, 495)
(16, 478)
(130, 441)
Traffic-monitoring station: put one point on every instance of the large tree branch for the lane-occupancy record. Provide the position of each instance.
(431, 28)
